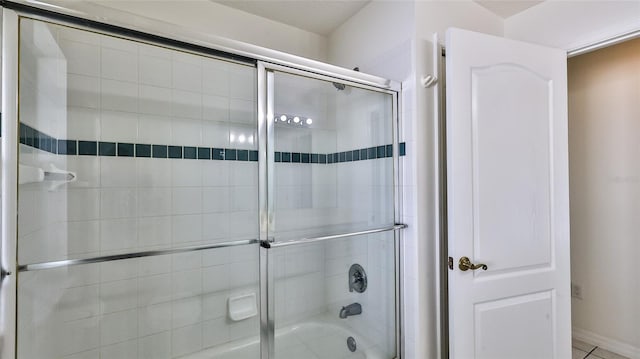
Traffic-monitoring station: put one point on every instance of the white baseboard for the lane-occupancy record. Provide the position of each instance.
(603, 342)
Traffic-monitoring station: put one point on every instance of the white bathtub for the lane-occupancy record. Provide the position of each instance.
(316, 339)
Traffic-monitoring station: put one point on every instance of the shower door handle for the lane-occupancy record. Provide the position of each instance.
(465, 264)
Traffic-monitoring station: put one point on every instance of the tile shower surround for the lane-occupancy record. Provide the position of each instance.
(191, 316)
(165, 306)
(196, 309)
(33, 138)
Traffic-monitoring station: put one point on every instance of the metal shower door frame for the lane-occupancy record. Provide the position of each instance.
(266, 145)
(266, 66)
(8, 262)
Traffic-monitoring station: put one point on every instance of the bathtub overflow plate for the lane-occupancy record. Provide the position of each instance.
(351, 344)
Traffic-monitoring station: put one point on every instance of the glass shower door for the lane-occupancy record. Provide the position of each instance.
(333, 169)
(141, 202)
(333, 158)
(137, 212)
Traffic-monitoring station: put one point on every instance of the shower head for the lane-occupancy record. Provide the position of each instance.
(339, 86)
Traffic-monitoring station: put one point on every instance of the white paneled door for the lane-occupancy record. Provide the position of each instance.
(508, 199)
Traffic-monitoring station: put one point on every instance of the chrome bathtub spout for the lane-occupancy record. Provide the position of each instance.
(351, 309)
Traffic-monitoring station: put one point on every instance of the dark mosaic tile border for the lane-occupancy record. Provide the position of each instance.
(40, 140)
(362, 154)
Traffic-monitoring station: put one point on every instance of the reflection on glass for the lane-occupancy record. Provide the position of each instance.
(128, 147)
(333, 158)
(333, 171)
(147, 133)
(312, 286)
(166, 306)
(160, 143)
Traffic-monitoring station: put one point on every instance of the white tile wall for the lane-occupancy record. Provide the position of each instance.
(110, 99)
(50, 74)
(308, 197)
(299, 273)
(312, 281)
(83, 91)
(154, 71)
(365, 188)
(165, 306)
(88, 63)
(183, 296)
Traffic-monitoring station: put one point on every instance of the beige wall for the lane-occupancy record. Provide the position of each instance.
(604, 158)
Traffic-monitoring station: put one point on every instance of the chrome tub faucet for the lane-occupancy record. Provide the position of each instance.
(351, 309)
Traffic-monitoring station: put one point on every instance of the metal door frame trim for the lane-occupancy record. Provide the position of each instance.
(8, 292)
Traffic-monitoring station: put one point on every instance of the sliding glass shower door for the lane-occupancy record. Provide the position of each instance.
(333, 155)
(333, 205)
(174, 202)
(131, 157)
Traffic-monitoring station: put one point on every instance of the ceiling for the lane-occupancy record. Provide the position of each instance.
(317, 16)
(507, 8)
(324, 16)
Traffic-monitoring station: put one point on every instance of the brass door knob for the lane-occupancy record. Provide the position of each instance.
(465, 264)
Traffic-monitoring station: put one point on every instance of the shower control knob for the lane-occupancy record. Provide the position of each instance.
(357, 279)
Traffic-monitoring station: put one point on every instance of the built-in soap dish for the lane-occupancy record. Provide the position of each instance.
(242, 307)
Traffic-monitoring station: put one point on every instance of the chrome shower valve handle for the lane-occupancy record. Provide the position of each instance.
(357, 279)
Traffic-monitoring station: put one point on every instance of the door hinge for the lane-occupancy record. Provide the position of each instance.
(451, 263)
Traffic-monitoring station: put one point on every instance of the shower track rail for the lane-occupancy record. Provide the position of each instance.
(270, 244)
(115, 257)
(152, 253)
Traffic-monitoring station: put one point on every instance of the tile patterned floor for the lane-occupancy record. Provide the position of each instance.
(582, 350)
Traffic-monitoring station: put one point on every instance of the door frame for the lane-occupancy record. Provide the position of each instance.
(600, 44)
(443, 256)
